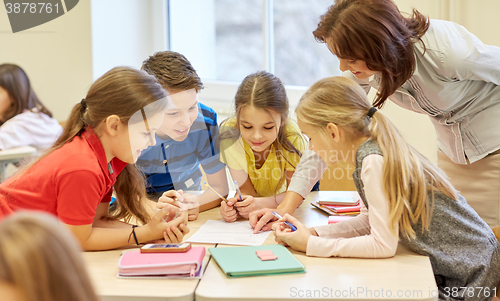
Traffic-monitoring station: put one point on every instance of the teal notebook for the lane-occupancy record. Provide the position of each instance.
(243, 261)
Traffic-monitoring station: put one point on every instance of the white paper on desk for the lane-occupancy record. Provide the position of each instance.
(237, 233)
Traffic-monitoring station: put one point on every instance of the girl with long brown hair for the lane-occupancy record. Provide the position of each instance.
(94, 156)
(405, 197)
(260, 145)
(24, 120)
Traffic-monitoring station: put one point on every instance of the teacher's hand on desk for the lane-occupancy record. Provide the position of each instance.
(297, 240)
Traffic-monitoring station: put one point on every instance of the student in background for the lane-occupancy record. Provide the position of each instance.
(24, 119)
(430, 67)
(405, 197)
(100, 143)
(185, 140)
(260, 145)
(40, 260)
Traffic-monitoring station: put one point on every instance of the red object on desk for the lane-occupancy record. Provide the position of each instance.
(343, 209)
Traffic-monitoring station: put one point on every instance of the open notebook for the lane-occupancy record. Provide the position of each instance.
(243, 261)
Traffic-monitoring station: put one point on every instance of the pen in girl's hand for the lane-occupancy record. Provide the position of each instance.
(238, 190)
(289, 224)
(216, 192)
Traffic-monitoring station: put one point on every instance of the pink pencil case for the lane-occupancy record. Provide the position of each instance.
(135, 263)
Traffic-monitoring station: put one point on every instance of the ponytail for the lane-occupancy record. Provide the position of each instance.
(408, 178)
(122, 91)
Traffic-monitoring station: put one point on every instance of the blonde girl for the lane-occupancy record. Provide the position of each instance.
(405, 197)
(260, 145)
(95, 154)
(40, 261)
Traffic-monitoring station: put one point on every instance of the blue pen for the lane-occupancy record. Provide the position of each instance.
(289, 224)
(238, 190)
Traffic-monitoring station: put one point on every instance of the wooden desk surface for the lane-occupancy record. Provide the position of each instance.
(405, 276)
(103, 270)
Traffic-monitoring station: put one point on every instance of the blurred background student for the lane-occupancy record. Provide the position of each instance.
(40, 260)
(24, 119)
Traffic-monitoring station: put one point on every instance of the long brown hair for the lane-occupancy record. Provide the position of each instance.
(375, 32)
(265, 91)
(121, 91)
(17, 84)
(408, 175)
(41, 258)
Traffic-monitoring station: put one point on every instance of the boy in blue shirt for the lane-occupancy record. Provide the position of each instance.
(186, 138)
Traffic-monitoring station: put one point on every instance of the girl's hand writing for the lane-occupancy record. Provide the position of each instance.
(228, 212)
(296, 239)
(247, 206)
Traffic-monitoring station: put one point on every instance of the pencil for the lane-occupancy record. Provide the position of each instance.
(216, 192)
(238, 190)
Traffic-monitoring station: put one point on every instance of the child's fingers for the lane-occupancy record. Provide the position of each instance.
(288, 218)
(170, 235)
(226, 206)
(161, 215)
(247, 200)
(178, 234)
(172, 197)
(185, 230)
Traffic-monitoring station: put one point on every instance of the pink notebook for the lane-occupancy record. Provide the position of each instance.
(342, 209)
(135, 263)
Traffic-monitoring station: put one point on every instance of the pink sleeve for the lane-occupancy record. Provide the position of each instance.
(366, 236)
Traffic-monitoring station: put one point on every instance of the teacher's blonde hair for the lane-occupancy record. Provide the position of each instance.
(408, 175)
(42, 260)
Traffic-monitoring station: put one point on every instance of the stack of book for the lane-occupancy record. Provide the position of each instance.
(341, 207)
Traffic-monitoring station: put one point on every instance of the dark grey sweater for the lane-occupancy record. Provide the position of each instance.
(464, 253)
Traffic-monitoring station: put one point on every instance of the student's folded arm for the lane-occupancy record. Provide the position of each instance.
(381, 242)
(96, 238)
(102, 220)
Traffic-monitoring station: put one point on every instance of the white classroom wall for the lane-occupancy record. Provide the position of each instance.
(55, 55)
(64, 56)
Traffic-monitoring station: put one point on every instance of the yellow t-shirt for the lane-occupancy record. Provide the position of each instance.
(237, 154)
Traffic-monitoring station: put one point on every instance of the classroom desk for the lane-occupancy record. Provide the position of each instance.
(405, 276)
(103, 270)
(13, 155)
(325, 278)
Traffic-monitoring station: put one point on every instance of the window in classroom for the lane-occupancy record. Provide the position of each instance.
(226, 40)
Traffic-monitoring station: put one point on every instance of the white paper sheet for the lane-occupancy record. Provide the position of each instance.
(237, 233)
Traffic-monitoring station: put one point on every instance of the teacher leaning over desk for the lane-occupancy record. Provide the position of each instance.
(428, 66)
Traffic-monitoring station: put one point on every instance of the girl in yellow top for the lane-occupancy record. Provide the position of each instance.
(260, 145)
